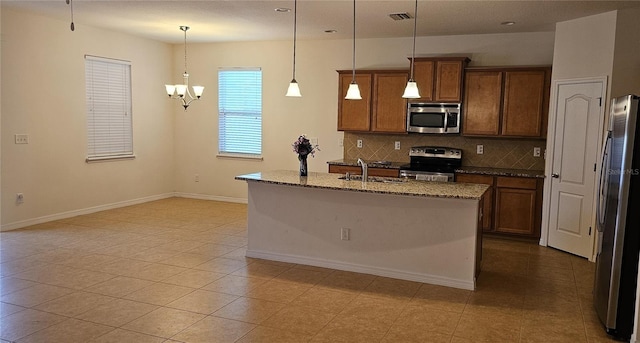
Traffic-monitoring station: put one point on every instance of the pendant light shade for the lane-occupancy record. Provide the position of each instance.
(411, 91)
(353, 93)
(294, 89)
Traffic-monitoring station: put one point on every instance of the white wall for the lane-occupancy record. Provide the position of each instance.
(315, 114)
(43, 61)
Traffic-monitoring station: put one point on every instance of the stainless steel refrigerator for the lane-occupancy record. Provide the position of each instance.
(618, 220)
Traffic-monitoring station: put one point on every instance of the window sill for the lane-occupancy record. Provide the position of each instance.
(95, 159)
(240, 156)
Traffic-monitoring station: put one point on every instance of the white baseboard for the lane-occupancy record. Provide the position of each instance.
(357, 268)
(88, 210)
(211, 197)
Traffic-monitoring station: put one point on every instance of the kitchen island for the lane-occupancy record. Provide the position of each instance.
(412, 230)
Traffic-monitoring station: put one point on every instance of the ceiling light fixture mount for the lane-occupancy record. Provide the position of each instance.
(353, 93)
(294, 90)
(411, 91)
(181, 91)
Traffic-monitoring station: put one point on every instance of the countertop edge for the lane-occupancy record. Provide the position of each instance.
(353, 186)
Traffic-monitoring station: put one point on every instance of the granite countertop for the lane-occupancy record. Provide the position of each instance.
(462, 170)
(395, 187)
(539, 174)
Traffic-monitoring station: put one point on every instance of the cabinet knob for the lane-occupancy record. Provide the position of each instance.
(555, 175)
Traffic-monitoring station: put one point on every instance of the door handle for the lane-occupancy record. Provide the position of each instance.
(555, 175)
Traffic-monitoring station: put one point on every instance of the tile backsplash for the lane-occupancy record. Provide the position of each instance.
(498, 152)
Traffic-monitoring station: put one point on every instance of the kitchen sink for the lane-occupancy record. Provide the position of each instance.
(374, 179)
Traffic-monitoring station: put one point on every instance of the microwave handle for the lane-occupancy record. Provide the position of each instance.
(446, 120)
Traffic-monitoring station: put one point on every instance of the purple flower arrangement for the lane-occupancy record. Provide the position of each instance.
(303, 147)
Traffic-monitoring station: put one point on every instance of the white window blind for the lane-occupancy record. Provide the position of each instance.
(240, 111)
(108, 97)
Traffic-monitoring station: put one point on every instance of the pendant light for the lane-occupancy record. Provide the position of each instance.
(181, 92)
(411, 91)
(294, 90)
(353, 93)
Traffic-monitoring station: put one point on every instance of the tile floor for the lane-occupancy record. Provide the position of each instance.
(174, 271)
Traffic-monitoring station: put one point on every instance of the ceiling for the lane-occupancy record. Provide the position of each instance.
(253, 20)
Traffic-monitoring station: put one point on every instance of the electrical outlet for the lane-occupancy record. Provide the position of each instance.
(345, 234)
(479, 149)
(341, 142)
(397, 145)
(359, 143)
(536, 152)
(196, 178)
(22, 139)
(19, 198)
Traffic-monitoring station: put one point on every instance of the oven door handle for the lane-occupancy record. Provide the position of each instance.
(446, 120)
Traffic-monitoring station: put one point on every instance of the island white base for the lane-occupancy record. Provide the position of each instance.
(424, 239)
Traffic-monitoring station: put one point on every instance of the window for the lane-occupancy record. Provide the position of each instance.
(240, 112)
(108, 96)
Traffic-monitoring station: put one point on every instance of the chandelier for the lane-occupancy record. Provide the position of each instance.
(181, 91)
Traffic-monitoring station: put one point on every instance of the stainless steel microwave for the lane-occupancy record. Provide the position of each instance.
(433, 117)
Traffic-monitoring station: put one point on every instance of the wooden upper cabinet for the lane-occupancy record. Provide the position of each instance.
(424, 74)
(507, 101)
(354, 115)
(389, 108)
(449, 81)
(440, 79)
(524, 100)
(483, 96)
(382, 108)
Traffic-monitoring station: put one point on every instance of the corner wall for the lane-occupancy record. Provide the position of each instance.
(43, 61)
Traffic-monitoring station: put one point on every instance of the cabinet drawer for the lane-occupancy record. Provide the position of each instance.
(516, 182)
(472, 178)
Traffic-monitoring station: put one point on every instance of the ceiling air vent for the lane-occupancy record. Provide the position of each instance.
(400, 16)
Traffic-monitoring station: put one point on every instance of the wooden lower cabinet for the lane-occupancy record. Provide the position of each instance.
(353, 170)
(514, 205)
(518, 206)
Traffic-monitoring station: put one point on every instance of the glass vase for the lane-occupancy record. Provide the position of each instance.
(303, 165)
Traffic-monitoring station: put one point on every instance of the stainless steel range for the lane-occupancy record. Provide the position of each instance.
(431, 163)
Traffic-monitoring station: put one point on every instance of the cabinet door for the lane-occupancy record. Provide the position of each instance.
(389, 108)
(354, 115)
(424, 75)
(515, 211)
(483, 96)
(522, 109)
(487, 207)
(448, 81)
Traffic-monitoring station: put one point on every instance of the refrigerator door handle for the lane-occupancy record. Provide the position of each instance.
(601, 196)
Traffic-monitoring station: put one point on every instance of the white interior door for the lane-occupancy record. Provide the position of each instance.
(578, 126)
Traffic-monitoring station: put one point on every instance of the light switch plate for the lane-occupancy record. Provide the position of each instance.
(536, 152)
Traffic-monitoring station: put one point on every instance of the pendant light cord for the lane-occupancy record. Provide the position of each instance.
(73, 26)
(185, 48)
(295, 27)
(353, 79)
(413, 52)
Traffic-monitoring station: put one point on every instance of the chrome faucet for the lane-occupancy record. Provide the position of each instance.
(365, 174)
